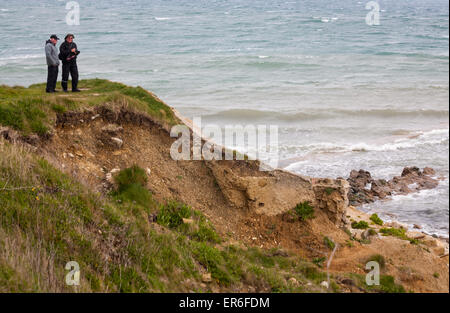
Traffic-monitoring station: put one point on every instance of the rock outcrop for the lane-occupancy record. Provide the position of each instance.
(330, 196)
(277, 192)
(365, 189)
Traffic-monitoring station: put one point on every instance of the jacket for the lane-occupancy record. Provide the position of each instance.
(66, 54)
(51, 54)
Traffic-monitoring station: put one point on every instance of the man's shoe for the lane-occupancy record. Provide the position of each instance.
(65, 90)
(76, 90)
(55, 91)
(48, 91)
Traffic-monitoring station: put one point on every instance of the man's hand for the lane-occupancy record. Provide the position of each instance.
(73, 50)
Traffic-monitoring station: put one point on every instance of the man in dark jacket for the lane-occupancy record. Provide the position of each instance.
(51, 54)
(68, 55)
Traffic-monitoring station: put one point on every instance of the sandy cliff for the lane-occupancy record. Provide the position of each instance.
(252, 207)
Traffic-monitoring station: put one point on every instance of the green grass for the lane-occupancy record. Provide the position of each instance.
(360, 225)
(329, 243)
(374, 218)
(319, 261)
(387, 284)
(171, 215)
(399, 233)
(131, 184)
(304, 210)
(32, 111)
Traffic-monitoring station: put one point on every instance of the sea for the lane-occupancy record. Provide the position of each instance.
(349, 84)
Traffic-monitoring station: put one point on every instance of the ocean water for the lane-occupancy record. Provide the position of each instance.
(344, 94)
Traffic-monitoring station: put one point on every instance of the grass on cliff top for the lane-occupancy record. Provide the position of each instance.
(31, 110)
(48, 219)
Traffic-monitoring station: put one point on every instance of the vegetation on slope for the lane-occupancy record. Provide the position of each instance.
(124, 242)
(31, 110)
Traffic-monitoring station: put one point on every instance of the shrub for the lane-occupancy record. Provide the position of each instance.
(222, 267)
(171, 215)
(304, 210)
(379, 259)
(131, 186)
(131, 176)
(312, 273)
(360, 225)
(374, 218)
(319, 261)
(388, 285)
(205, 231)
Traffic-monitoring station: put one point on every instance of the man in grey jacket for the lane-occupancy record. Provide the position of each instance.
(53, 63)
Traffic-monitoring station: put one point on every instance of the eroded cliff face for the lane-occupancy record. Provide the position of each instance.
(274, 193)
(245, 205)
(253, 206)
(331, 197)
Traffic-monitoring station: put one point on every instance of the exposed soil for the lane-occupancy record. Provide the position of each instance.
(83, 145)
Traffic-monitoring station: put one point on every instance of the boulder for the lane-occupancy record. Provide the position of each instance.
(365, 189)
(411, 171)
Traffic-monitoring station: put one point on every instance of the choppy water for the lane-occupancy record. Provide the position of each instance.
(345, 95)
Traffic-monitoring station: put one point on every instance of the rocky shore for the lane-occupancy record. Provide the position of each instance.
(365, 189)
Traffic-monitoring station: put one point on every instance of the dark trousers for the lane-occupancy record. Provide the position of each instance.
(72, 69)
(52, 77)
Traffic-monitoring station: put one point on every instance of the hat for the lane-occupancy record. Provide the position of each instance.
(54, 37)
(69, 35)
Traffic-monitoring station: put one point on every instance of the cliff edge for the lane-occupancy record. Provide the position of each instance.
(274, 231)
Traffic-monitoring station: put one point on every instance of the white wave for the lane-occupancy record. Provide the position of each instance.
(437, 136)
(426, 193)
(21, 57)
(28, 48)
(442, 131)
(163, 18)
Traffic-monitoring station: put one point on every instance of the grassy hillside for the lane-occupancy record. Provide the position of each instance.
(31, 110)
(124, 241)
